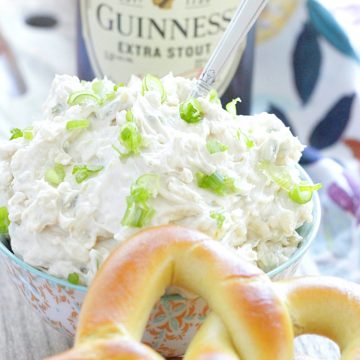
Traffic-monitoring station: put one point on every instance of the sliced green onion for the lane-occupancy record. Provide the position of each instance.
(4, 220)
(303, 193)
(16, 133)
(214, 97)
(191, 111)
(97, 87)
(28, 133)
(216, 183)
(278, 174)
(74, 278)
(130, 138)
(118, 86)
(299, 196)
(214, 146)
(56, 175)
(152, 83)
(219, 218)
(140, 194)
(249, 142)
(77, 124)
(148, 182)
(107, 97)
(138, 212)
(231, 106)
(129, 116)
(83, 172)
(300, 193)
(303, 186)
(231, 185)
(80, 97)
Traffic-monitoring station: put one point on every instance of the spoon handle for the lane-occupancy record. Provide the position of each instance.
(241, 23)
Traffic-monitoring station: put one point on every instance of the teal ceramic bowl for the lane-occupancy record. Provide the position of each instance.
(174, 319)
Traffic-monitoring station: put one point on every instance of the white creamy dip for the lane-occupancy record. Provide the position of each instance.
(72, 227)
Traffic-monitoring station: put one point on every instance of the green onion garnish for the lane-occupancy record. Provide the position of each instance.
(214, 146)
(97, 87)
(191, 111)
(278, 174)
(231, 185)
(28, 133)
(56, 175)
(300, 197)
(74, 278)
(129, 116)
(77, 124)
(216, 183)
(303, 186)
(107, 97)
(83, 172)
(137, 215)
(80, 97)
(219, 218)
(214, 97)
(249, 142)
(16, 133)
(149, 182)
(152, 83)
(4, 220)
(231, 106)
(130, 138)
(138, 212)
(118, 86)
(300, 193)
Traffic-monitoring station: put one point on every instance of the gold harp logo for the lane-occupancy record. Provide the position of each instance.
(163, 4)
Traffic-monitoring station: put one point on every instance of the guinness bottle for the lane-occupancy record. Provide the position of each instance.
(118, 38)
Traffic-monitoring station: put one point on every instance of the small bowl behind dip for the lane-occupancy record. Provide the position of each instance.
(173, 320)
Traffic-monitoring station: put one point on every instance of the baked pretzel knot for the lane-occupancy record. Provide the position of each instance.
(251, 319)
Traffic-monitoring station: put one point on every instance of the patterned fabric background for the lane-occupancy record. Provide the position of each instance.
(307, 72)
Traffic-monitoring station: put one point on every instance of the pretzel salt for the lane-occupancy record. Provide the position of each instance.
(252, 318)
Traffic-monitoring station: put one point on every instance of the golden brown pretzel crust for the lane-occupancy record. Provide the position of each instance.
(251, 319)
(136, 274)
(325, 306)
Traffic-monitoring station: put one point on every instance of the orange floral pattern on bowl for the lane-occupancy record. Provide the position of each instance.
(172, 323)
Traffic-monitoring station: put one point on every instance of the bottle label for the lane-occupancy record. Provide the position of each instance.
(125, 37)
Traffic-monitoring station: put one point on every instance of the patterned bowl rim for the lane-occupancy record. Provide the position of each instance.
(304, 246)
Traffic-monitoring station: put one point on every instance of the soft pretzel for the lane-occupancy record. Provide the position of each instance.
(325, 306)
(252, 318)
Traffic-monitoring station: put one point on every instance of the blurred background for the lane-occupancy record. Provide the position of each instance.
(303, 66)
(37, 41)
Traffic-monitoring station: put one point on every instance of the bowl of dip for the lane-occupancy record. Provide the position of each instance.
(174, 319)
(105, 160)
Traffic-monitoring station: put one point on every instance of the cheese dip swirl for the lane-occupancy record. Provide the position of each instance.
(105, 160)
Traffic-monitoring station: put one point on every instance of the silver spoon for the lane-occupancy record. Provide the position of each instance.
(240, 25)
